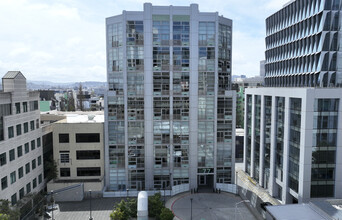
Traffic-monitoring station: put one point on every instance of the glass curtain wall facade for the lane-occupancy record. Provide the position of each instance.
(324, 147)
(155, 74)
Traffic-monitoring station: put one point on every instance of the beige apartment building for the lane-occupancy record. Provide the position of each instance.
(78, 148)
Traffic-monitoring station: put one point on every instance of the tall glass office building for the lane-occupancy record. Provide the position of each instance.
(169, 105)
(292, 142)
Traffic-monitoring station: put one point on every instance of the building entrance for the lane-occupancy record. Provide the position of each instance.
(205, 181)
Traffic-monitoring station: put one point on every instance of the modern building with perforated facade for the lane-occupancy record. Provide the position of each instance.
(303, 45)
(293, 125)
(169, 116)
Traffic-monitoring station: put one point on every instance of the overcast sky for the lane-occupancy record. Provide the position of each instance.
(64, 40)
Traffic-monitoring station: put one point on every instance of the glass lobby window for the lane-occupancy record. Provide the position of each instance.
(135, 108)
(136, 179)
(117, 175)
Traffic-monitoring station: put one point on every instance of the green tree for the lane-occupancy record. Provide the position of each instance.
(155, 206)
(4, 217)
(117, 214)
(80, 97)
(53, 171)
(132, 208)
(166, 214)
(7, 212)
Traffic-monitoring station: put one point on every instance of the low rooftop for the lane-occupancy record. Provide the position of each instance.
(79, 116)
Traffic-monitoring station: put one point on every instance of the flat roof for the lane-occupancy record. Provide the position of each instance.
(78, 116)
(295, 211)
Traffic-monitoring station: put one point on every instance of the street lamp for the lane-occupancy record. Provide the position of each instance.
(127, 194)
(236, 204)
(190, 208)
(53, 204)
(90, 218)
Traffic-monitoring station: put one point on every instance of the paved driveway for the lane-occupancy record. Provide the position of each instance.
(101, 209)
(211, 206)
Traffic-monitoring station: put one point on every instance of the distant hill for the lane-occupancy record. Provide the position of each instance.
(35, 85)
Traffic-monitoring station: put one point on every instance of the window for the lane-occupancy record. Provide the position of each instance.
(65, 172)
(11, 155)
(27, 148)
(34, 183)
(34, 164)
(87, 138)
(24, 106)
(32, 125)
(25, 127)
(18, 129)
(28, 188)
(21, 193)
(13, 177)
(40, 178)
(88, 154)
(37, 123)
(3, 159)
(89, 171)
(20, 151)
(39, 142)
(63, 138)
(64, 156)
(33, 105)
(4, 183)
(39, 160)
(17, 107)
(10, 132)
(21, 172)
(14, 199)
(27, 168)
(33, 144)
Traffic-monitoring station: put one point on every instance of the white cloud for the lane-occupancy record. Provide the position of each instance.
(64, 40)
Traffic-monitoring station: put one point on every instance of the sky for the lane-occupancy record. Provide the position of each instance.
(64, 40)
